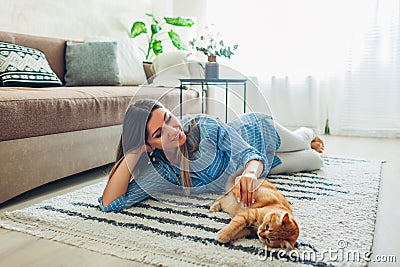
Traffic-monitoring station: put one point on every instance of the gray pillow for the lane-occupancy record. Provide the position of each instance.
(93, 63)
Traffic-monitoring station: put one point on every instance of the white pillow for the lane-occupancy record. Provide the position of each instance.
(196, 69)
(169, 67)
(129, 57)
(130, 62)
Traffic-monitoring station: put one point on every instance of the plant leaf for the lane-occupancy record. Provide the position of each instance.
(155, 28)
(152, 16)
(138, 28)
(157, 47)
(176, 40)
(179, 21)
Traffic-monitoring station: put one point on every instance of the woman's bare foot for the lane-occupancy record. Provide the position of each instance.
(317, 144)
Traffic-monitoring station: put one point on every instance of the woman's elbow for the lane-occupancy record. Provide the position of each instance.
(109, 196)
(106, 201)
(111, 206)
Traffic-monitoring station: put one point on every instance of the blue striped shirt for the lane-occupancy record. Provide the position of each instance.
(224, 148)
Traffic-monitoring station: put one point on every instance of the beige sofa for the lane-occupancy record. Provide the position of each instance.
(50, 133)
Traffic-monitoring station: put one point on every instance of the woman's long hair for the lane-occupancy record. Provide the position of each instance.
(191, 145)
(134, 135)
(134, 132)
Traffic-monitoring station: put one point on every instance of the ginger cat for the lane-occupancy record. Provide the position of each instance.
(270, 216)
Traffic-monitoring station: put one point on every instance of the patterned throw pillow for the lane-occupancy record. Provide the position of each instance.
(25, 66)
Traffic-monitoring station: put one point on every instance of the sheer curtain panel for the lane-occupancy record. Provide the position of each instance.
(319, 61)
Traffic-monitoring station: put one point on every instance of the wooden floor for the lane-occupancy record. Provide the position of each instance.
(17, 249)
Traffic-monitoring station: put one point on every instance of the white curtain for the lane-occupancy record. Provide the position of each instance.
(316, 61)
(365, 97)
(296, 102)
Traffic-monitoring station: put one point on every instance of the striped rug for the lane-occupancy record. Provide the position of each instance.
(335, 208)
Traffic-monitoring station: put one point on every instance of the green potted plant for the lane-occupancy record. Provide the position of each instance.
(211, 45)
(155, 32)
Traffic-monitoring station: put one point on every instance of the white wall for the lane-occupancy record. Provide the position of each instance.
(77, 19)
(192, 8)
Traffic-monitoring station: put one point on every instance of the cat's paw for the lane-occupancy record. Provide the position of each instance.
(215, 207)
(223, 237)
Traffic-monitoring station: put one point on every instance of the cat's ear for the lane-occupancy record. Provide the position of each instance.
(285, 218)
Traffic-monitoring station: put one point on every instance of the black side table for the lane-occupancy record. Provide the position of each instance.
(206, 82)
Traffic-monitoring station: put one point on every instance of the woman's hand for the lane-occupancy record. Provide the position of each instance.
(148, 148)
(132, 156)
(140, 150)
(245, 189)
(246, 184)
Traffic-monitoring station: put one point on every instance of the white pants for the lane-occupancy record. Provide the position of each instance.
(295, 151)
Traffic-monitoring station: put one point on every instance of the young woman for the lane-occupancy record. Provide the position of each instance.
(158, 153)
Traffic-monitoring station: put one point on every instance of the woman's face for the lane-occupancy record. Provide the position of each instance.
(164, 131)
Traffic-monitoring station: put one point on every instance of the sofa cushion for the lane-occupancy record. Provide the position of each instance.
(27, 112)
(130, 59)
(93, 63)
(25, 66)
(53, 48)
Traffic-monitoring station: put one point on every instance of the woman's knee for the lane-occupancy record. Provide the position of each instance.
(305, 160)
(315, 160)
